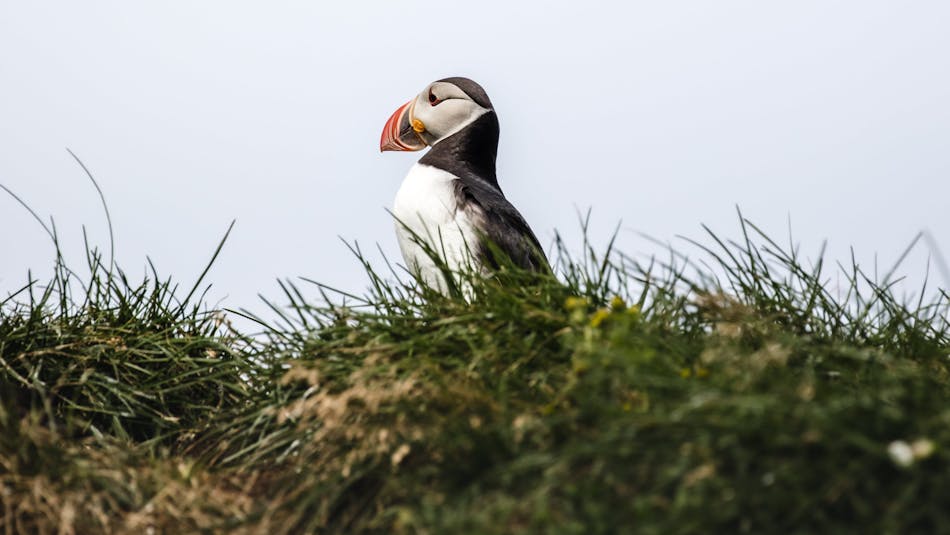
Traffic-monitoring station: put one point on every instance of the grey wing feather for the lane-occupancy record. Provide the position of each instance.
(501, 226)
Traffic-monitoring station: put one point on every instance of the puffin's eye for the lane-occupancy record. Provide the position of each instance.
(433, 100)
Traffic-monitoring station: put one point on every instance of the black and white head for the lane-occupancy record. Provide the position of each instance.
(442, 109)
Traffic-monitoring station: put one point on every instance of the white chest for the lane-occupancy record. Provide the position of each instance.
(426, 210)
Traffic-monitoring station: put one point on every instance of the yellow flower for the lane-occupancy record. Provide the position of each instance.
(575, 303)
(617, 304)
(598, 317)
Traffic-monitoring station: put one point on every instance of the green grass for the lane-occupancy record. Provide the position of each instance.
(737, 394)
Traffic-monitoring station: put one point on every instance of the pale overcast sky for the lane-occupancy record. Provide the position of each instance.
(665, 115)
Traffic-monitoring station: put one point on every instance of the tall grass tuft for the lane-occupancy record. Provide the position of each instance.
(741, 392)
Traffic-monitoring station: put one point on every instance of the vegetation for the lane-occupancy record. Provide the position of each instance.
(742, 394)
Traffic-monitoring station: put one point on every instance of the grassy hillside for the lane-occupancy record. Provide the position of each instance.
(615, 398)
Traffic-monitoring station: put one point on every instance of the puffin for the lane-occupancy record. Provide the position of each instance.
(450, 203)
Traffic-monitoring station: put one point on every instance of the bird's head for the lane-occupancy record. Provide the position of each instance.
(440, 110)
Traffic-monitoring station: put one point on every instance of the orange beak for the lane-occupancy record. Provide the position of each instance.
(398, 133)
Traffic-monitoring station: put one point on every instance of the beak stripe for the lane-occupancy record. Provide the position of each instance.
(391, 140)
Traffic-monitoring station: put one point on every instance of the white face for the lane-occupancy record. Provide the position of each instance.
(444, 109)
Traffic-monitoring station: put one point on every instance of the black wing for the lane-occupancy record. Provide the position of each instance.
(502, 229)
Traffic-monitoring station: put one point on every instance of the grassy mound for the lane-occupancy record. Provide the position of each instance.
(613, 398)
